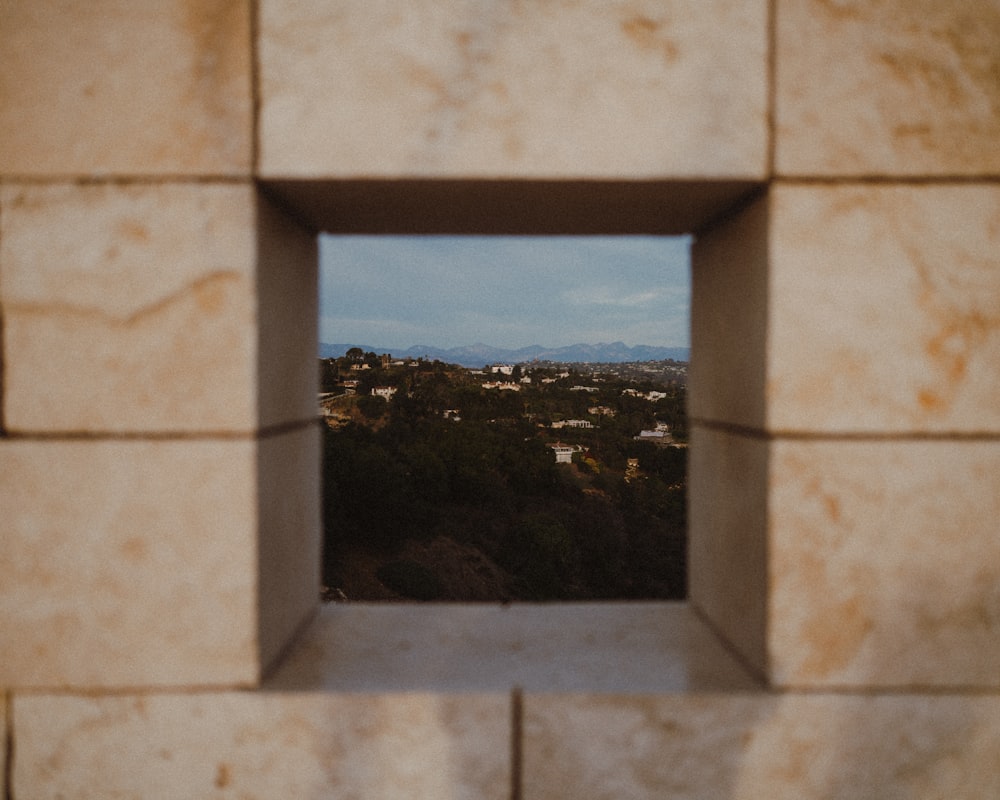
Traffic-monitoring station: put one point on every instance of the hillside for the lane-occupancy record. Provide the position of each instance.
(450, 490)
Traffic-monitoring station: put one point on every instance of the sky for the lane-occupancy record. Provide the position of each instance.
(509, 291)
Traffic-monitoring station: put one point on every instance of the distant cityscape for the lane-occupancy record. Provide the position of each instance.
(480, 355)
(539, 480)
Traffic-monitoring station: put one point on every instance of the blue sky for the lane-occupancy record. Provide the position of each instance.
(448, 291)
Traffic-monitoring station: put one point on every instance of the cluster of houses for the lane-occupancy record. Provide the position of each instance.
(505, 386)
(572, 423)
(651, 396)
(563, 452)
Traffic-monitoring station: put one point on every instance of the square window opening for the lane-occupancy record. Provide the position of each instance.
(504, 417)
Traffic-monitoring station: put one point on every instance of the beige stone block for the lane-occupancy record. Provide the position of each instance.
(906, 87)
(4, 728)
(728, 521)
(634, 88)
(607, 647)
(115, 87)
(746, 747)
(729, 307)
(884, 309)
(288, 550)
(163, 308)
(259, 745)
(136, 563)
(884, 563)
(287, 316)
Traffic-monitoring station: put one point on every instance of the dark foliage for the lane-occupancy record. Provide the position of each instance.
(410, 579)
(490, 482)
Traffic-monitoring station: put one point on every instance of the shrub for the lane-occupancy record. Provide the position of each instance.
(410, 579)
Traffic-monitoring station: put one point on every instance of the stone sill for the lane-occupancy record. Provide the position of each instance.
(619, 648)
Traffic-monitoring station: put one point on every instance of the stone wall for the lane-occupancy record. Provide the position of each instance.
(164, 170)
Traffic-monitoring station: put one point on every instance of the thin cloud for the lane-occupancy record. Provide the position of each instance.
(607, 296)
(505, 291)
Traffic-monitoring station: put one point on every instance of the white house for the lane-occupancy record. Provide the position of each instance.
(564, 452)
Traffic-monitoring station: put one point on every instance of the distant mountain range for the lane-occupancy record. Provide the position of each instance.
(479, 355)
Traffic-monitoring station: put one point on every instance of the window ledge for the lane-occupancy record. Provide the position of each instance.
(648, 647)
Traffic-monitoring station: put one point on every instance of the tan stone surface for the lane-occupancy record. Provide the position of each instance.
(903, 87)
(3, 733)
(287, 290)
(288, 511)
(634, 88)
(747, 747)
(127, 563)
(154, 308)
(607, 647)
(885, 309)
(118, 87)
(729, 299)
(258, 745)
(128, 308)
(728, 521)
(885, 563)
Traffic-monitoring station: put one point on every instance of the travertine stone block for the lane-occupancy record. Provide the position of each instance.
(117, 87)
(853, 308)
(905, 87)
(288, 547)
(850, 563)
(885, 563)
(636, 88)
(127, 563)
(745, 747)
(727, 537)
(607, 647)
(729, 299)
(154, 308)
(261, 745)
(287, 298)
(885, 309)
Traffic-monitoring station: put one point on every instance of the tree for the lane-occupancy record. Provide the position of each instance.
(328, 374)
(372, 407)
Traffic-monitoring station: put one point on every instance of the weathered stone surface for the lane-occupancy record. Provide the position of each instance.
(289, 499)
(128, 307)
(884, 563)
(850, 563)
(728, 554)
(146, 563)
(639, 89)
(730, 292)
(287, 314)
(152, 308)
(612, 647)
(115, 87)
(128, 563)
(904, 87)
(745, 747)
(884, 309)
(256, 745)
(4, 712)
